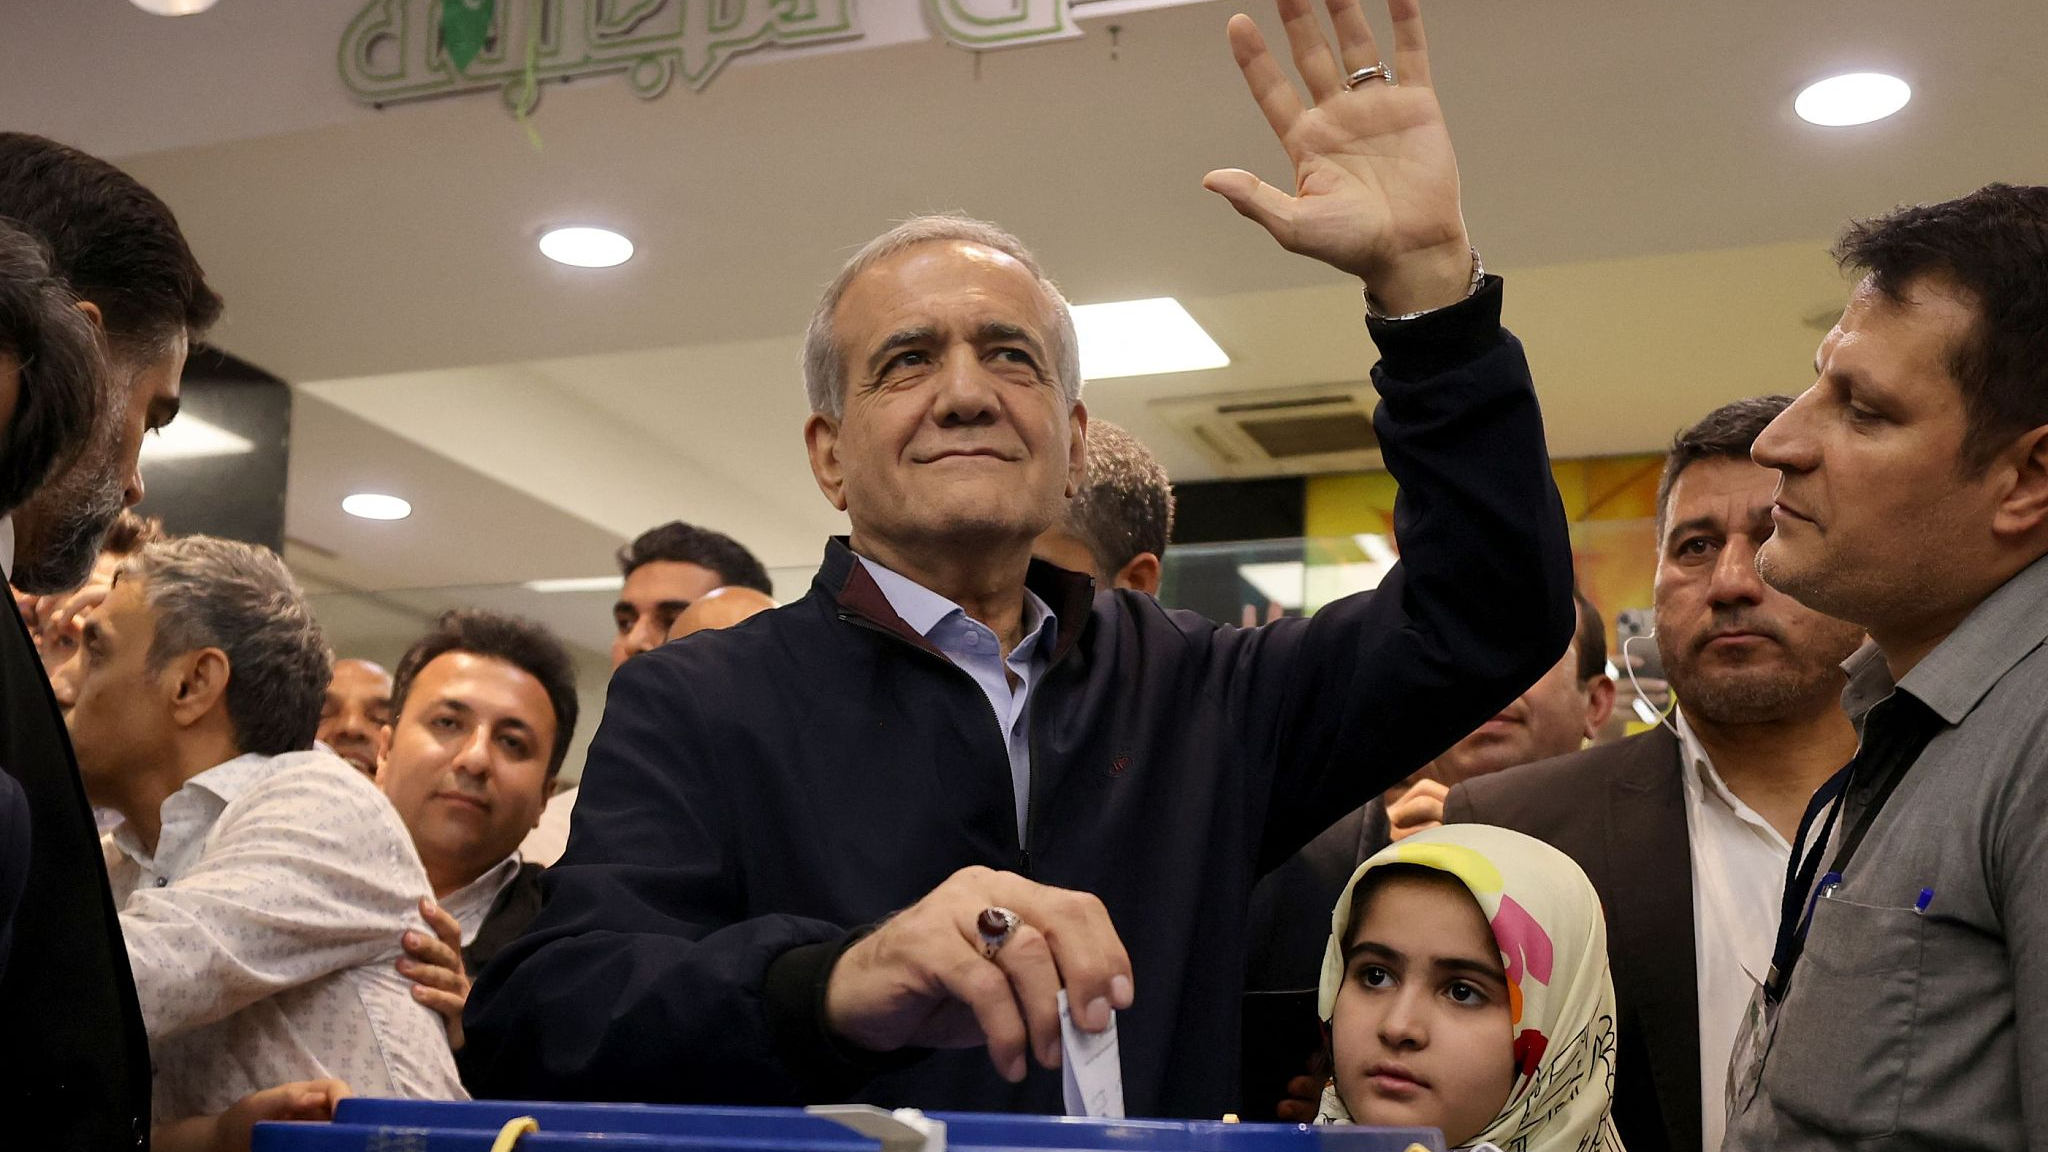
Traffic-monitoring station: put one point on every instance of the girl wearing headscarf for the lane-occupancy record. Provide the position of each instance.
(1465, 988)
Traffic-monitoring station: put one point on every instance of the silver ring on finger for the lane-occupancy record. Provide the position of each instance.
(1377, 70)
(995, 926)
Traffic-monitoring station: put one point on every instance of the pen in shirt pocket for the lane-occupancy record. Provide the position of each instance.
(1926, 898)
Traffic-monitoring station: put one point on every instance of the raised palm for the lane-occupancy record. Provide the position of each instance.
(1376, 181)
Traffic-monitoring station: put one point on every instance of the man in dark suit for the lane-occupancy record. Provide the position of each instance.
(74, 1060)
(49, 374)
(1684, 829)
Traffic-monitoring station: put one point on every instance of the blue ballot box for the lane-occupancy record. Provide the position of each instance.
(362, 1125)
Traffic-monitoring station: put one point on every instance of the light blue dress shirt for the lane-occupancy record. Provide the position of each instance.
(974, 648)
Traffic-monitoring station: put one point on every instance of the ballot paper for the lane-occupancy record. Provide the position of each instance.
(1091, 1069)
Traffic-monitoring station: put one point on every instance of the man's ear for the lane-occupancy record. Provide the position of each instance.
(383, 751)
(1599, 703)
(2023, 509)
(92, 313)
(1140, 573)
(1077, 449)
(199, 684)
(821, 440)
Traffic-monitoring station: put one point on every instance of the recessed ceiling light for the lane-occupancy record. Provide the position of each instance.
(188, 437)
(578, 584)
(586, 247)
(1855, 98)
(376, 506)
(173, 7)
(1142, 338)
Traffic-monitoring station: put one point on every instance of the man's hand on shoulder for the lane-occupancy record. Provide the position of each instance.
(928, 978)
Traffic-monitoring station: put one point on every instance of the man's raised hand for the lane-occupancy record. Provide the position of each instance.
(1376, 183)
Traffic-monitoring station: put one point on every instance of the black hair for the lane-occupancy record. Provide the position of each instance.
(1591, 641)
(517, 641)
(110, 239)
(1993, 245)
(1726, 433)
(57, 366)
(689, 544)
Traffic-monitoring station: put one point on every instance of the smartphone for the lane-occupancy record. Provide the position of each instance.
(1635, 635)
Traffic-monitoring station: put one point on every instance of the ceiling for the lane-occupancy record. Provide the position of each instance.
(1633, 168)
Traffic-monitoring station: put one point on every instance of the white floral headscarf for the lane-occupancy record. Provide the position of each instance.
(1553, 944)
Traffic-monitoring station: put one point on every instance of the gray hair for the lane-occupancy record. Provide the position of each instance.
(213, 593)
(1126, 508)
(824, 360)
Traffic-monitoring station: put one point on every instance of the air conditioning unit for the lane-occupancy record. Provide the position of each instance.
(1282, 431)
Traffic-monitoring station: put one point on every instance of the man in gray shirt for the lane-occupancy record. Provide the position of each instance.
(1908, 1002)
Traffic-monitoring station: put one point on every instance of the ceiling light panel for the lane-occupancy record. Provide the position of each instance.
(188, 437)
(1142, 338)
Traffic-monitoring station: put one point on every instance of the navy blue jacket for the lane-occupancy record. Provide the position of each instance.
(756, 795)
(74, 1059)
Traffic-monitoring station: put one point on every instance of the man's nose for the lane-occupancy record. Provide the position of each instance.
(647, 635)
(1786, 443)
(967, 390)
(64, 683)
(132, 492)
(475, 755)
(1735, 580)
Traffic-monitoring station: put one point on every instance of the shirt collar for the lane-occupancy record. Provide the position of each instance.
(924, 610)
(1701, 779)
(471, 904)
(1970, 661)
(7, 547)
(206, 795)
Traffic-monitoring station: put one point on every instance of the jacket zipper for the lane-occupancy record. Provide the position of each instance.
(1031, 739)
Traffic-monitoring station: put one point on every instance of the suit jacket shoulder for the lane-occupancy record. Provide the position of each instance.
(1550, 799)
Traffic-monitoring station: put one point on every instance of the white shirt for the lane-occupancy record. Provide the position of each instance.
(472, 903)
(7, 547)
(262, 933)
(1738, 879)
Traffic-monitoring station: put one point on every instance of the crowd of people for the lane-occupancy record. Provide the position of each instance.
(1365, 866)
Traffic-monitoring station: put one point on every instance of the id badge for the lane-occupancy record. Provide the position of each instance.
(1752, 1044)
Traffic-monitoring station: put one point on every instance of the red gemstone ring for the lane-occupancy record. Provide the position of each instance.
(995, 926)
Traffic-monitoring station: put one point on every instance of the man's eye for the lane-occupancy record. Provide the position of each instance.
(1018, 356)
(1696, 546)
(908, 359)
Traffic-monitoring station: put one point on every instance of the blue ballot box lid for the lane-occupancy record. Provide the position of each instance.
(366, 1125)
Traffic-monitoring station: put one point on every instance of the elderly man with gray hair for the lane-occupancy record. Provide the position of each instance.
(262, 885)
(840, 848)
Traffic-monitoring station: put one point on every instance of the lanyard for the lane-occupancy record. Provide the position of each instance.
(1896, 731)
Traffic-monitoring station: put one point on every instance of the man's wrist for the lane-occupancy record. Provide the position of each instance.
(1424, 282)
(824, 1064)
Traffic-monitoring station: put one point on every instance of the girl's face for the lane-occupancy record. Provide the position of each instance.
(1421, 1031)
